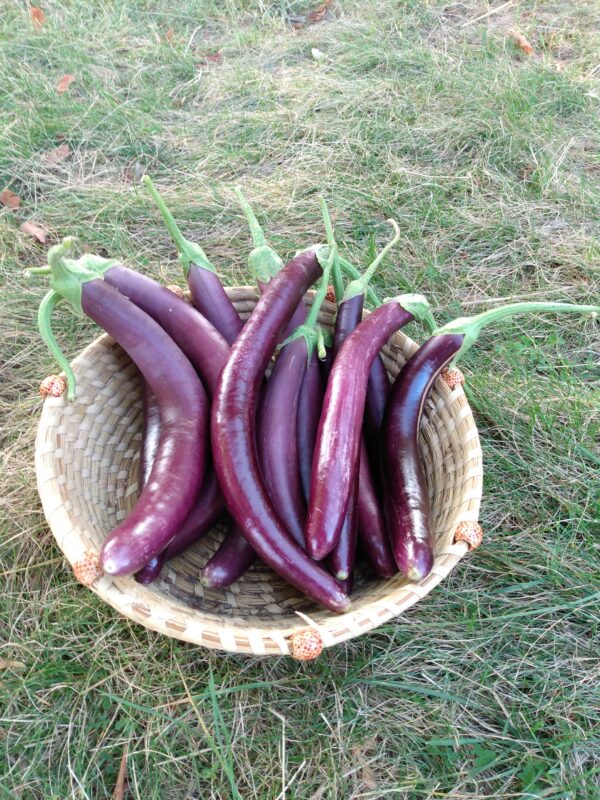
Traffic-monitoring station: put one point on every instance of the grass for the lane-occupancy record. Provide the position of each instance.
(489, 162)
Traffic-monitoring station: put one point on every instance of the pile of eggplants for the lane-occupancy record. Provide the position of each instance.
(298, 438)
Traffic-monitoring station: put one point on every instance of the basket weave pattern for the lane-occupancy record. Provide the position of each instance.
(87, 455)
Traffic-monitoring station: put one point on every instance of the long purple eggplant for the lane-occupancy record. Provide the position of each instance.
(276, 437)
(279, 426)
(342, 553)
(206, 289)
(338, 439)
(407, 507)
(364, 517)
(309, 411)
(180, 463)
(208, 351)
(236, 555)
(150, 442)
(232, 435)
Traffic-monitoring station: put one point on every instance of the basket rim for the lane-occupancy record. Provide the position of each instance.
(170, 616)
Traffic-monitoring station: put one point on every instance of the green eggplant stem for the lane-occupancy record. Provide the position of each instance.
(256, 231)
(45, 311)
(189, 252)
(359, 286)
(471, 327)
(338, 284)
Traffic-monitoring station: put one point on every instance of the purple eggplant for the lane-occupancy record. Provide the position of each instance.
(338, 439)
(276, 437)
(180, 462)
(407, 507)
(233, 558)
(150, 441)
(208, 351)
(232, 435)
(235, 555)
(309, 411)
(206, 289)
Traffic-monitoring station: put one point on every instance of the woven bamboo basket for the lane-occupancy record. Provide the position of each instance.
(87, 455)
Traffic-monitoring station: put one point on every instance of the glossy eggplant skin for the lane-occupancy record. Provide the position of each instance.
(406, 498)
(277, 437)
(181, 457)
(338, 439)
(212, 301)
(150, 440)
(150, 433)
(310, 402)
(204, 344)
(233, 435)
(371, 520)
(378, 392)
(342, 554)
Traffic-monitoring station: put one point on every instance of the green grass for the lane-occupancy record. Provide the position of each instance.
(489, 162)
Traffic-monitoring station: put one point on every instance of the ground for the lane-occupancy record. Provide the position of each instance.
(488, 158)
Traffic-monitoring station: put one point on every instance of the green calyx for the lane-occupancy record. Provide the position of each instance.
(264, 262)
(359, 285)
(188, 252)
(418, 306)
(67, 276)
(471, 327)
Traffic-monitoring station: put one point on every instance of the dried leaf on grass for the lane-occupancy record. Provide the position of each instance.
(31, 229)
(212, 57)
(64, 83)
(314, 16)
(57, 154)
(7, 664)
(121, 784)
(365, 772)
(170, 36)
(521, 42)
(317, 14)
(10, 199)
(37, 16)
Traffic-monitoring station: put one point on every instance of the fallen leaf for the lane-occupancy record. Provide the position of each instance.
(521, 42)
(170, 36)
(37, 17)
(360, 754)
(7, 664)
(10, 199)
(57, 154)
(64, 83)
(34, 230)
(212, 57)
(119, 790)
(317, 14)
